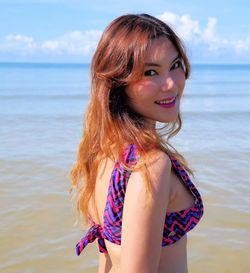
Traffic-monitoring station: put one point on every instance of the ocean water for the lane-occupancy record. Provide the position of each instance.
(41, 109)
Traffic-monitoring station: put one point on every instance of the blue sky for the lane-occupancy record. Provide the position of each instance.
(67, 31)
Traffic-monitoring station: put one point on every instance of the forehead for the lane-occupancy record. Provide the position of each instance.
(161, 49)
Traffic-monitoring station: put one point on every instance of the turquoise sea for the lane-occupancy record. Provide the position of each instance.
(41, 110)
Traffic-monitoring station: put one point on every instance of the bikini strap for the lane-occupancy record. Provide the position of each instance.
(131, 155)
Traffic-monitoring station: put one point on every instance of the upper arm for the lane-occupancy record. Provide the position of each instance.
(144, 216)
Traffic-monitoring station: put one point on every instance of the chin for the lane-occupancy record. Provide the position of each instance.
(169, 120)
(172, 118)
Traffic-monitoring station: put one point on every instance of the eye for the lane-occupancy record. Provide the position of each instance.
(177, 64)
(150, 72)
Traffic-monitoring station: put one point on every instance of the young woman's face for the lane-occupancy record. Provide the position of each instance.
(156, 96)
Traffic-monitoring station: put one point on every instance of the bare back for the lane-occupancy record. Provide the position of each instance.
(173, 258)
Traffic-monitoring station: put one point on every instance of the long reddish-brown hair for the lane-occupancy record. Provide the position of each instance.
(110, 124)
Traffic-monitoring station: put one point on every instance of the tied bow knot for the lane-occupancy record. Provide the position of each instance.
(95, 232)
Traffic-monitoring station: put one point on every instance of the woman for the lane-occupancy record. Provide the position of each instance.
(133, 188)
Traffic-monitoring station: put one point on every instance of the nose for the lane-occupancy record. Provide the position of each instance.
(168, 83)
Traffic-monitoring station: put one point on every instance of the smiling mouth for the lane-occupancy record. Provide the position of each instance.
(167, 102)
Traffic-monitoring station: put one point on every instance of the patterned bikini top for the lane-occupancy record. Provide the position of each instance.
(177, 224)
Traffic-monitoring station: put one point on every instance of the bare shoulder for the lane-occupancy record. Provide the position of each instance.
(158, 167)
(158, 160)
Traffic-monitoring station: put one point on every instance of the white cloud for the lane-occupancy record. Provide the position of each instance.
(72, 43)
(200, 38)
(75, 43)
(19, 43)
(242, 46)
(187, 28)
(209, 32)
(210, 37)
(191, 31)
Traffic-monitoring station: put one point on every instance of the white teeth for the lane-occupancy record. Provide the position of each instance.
(165, 101)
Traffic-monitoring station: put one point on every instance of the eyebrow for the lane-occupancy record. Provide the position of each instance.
(157, 65)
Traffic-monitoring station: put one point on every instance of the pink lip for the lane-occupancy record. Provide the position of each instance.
(168, 105)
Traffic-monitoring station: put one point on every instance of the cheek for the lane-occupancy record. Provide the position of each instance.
(140, 90)
(181, 83)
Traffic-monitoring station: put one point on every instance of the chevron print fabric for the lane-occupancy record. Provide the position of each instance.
(176, 225)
